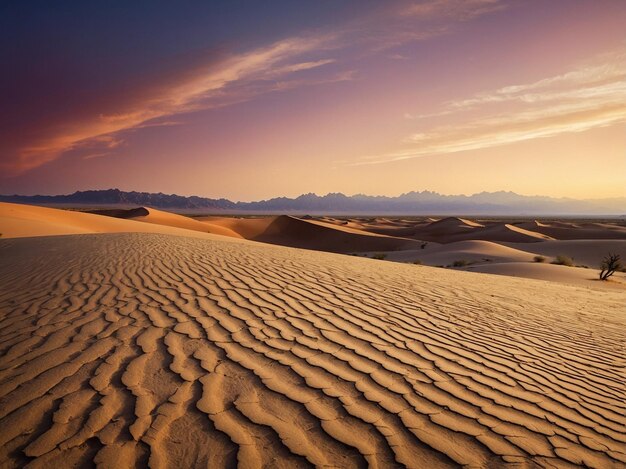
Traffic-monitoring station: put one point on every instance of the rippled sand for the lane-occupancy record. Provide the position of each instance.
(123, 349)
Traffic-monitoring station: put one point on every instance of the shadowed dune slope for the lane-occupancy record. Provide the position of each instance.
(121, 212)
(454, 223)
(450, 230)
(135, 349)
(565, 231)
(308, 234)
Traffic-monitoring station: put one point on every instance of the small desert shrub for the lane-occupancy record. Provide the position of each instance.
(380, 256)
(563, 260)
(609, 265)
(417, 262)
(539, 259)
(460, 263)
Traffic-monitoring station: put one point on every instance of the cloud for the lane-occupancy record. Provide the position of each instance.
(91, 156)
(238, 77)
(459, 10)
(588, 97)
(206, 88)
(298, 67)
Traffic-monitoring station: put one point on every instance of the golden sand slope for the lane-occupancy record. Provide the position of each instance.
(123, 349)
(583, 251)
(18, 221)
(553, 273)
(160, 217)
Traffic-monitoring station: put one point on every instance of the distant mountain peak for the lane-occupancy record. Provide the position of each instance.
(423, 202)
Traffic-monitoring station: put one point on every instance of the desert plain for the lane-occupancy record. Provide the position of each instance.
(141, 337)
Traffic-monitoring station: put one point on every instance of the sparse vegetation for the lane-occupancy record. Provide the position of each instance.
(563, 260)
(417, 262)
(380, 256)
(609, 265)
(460, 263)
(539, 259)
(423, 245)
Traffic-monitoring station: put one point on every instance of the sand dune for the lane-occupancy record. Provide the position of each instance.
(136, 349)
(565, 231)
(18, 221)
(311, 234)
(454, 229)
(454, 223)
(587, 252)
(471, 251)
(248, 228)
(159, 217)
(451, 230)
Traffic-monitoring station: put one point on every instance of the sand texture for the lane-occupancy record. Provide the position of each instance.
(124, 350)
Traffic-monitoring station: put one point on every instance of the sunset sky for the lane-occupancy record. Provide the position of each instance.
(249, 100)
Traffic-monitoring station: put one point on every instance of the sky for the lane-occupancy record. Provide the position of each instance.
(249, 100)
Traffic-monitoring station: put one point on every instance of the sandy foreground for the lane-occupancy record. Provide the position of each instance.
(188, 349)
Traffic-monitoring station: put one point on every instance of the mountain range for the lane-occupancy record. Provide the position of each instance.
(411, 203)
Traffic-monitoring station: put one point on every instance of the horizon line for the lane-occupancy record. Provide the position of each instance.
(318, 195)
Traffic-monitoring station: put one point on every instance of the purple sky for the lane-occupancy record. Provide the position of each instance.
(249, 100)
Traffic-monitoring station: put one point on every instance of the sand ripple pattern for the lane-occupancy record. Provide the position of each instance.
(125, 350)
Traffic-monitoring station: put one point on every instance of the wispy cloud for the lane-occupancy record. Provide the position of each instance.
(276, 67)
(91, 156)
(207, 88)
(460, 10)
(298, 67)
(588, 97)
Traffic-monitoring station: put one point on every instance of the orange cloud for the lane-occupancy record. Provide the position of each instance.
(240, 77)
(589, 97)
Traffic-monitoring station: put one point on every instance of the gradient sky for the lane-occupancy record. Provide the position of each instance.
(249, 100)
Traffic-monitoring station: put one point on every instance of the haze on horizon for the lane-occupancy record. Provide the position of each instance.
(248, 101)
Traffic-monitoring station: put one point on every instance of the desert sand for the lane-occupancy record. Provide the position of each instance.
(18, 221)
(191, 349)
(483, 246)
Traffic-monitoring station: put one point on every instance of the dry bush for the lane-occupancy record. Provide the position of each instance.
(563, 260)
(609, 265)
